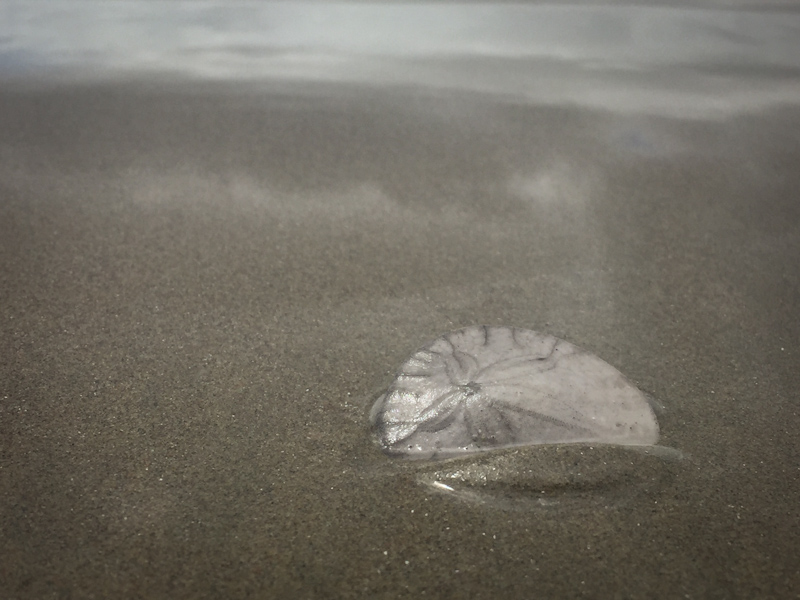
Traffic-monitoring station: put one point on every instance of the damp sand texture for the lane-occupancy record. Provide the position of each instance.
(205, 288)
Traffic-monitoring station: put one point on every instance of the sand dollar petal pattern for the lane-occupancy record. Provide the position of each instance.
(482, 388)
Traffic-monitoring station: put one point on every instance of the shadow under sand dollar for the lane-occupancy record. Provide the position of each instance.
(552, 476)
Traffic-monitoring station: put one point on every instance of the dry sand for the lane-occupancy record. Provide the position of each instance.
(203, 289)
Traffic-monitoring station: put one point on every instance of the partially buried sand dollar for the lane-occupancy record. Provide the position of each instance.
(483, 388)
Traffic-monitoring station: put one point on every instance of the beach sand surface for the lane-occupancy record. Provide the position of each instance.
(204, 288)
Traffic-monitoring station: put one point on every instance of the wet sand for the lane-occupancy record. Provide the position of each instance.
(204, 288)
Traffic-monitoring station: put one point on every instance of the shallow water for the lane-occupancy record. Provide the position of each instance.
(207, 284)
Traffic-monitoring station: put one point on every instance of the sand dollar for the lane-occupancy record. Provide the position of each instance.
(483, 388)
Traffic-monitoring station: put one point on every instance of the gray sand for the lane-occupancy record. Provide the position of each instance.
(203, 289)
